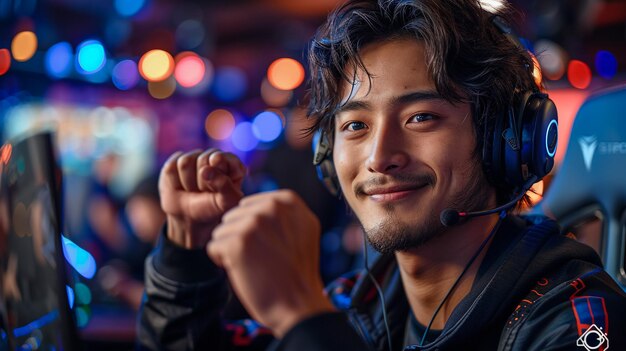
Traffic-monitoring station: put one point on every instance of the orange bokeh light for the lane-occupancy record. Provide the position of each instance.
(579, 74)
(162, 89)
(220, 124)
(5, 61)
(285, 74)
(5, 153)
(23, 46)
(156, 65)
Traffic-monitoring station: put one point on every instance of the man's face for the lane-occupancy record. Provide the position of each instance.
(403, 154)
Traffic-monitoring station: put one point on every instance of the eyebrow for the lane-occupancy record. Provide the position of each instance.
(416, 96)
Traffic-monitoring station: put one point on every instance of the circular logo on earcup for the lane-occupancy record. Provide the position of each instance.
(552, 133)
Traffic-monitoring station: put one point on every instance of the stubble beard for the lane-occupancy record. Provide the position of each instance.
(391, 234)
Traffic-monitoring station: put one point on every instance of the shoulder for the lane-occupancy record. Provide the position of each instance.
(589, 308)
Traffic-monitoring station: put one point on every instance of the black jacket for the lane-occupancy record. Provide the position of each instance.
(535, 290)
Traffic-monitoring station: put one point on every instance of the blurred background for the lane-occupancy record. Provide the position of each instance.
(125, 83)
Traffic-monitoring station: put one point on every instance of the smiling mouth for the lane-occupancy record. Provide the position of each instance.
(392, 193)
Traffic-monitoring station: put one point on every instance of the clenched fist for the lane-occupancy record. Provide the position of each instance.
(196, 189)
(269, 246)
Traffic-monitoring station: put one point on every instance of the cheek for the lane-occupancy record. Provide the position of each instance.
(450, 156)
(346, 165)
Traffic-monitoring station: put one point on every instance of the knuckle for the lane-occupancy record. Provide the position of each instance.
(289, 194)
(207, 153)
(290, 198)
(171, 161)
(273, 205)
(186, 161)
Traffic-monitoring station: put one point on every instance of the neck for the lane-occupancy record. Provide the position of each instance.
(429, 271)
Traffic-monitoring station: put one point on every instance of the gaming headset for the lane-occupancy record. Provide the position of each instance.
(516, 147)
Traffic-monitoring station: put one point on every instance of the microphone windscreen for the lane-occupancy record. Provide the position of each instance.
(449, 217)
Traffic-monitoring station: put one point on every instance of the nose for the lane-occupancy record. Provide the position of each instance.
(388, 152)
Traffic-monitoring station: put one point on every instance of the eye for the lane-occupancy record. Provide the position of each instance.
(421, 117)
(355, 126)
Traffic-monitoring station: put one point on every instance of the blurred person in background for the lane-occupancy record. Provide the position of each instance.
(123, 278)
(108, 234)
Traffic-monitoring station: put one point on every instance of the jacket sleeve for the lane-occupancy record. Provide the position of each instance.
(185, 294)
(323, 332)
(588, 314)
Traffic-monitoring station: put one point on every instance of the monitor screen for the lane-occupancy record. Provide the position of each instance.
(35, 307)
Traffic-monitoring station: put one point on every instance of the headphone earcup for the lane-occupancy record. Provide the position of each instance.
(524, 141)
(539, 135)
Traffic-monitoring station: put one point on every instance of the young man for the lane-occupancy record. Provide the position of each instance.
(408, 92)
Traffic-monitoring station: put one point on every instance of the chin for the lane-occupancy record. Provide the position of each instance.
(393, 235)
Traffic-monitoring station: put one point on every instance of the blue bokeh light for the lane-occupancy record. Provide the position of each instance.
(58, 60)
(125, 75)
(129, 7)
(243, 137)
(82, 261)
(606, 64)
(101, 76)
(230, 84)
(90, 57)
(267, 126)
(70, 295)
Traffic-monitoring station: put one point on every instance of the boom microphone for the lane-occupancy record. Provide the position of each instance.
(450, 216)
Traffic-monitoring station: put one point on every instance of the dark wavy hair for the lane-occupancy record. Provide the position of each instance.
(468, 58)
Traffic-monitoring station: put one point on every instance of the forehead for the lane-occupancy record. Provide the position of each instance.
(394, 66)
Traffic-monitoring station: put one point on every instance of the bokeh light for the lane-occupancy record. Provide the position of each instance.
(230, 84)
(492, 6)
(103, 75)
(189, 34)
(125, 75)
(162, 89)
(5, 61)
(551, 58)
(79, 258)
(90, 57)
(83, 294)
(23, 46)
(243, 138)
(274, 97)
(128, 7)
(285, 74)
(579, 74)
(82, 316)
(219, 124)
(70, 295)
(189, 70)
(267, 126)
(156, 65)
(5, 153)
(59, 60)
(606, 64)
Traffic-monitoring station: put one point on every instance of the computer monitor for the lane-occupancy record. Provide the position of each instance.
(34, 284)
